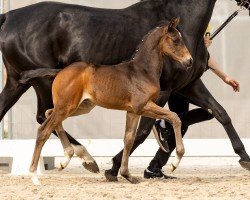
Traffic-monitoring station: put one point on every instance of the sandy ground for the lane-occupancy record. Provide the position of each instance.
(197, 178)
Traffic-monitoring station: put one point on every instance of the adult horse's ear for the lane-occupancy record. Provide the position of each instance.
(174, 22)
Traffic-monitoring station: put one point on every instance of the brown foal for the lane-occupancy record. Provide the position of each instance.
(132, 86)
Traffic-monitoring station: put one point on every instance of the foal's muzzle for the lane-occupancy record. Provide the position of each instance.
(188, 63)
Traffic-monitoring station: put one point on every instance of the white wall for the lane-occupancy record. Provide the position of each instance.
(93, 3)
(231, 48)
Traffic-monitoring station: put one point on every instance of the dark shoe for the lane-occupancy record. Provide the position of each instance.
(156, 174)
(163, 135)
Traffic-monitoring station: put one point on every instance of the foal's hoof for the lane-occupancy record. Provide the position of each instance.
(245, 165)
(172, 168)
(110, 177)
(61, 167)
(92, 167)
(132, 179)
(34, 179)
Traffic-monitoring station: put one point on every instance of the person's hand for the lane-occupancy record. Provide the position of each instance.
(233, 83)
(207, 41)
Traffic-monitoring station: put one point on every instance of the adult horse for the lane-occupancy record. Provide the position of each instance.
(53, 35)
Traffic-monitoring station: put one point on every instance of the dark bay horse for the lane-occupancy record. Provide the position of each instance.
(133, 86)
(55, 35)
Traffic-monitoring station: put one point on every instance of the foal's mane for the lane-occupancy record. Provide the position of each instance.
(146, 37)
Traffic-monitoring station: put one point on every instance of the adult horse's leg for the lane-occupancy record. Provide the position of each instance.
(198, 94)
(143, 131)
(12, 91)
(44, 102)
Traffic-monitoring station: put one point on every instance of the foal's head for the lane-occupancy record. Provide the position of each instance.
(172, 44)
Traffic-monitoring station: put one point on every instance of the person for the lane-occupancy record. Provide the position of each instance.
(181, 107)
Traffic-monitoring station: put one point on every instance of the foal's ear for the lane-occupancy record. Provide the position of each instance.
(174, 22)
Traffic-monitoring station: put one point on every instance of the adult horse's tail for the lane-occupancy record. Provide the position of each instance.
(2, 19)
(28, 76)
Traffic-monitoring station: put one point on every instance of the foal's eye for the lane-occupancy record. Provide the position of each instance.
(176, 40)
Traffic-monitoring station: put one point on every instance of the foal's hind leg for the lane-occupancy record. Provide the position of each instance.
(87, 160)
(43, 135)
(68, 149)
(131, 125)
(153, 111)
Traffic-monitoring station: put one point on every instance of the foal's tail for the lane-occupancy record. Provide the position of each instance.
(28, 76)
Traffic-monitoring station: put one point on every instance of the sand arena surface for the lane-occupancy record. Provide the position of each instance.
(214, 178)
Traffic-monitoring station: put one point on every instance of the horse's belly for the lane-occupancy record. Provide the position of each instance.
(114, 102)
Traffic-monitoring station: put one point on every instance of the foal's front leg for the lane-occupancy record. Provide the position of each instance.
(156, 112)
(131, 125)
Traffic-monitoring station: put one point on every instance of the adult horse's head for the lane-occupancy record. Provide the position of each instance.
(172, 44)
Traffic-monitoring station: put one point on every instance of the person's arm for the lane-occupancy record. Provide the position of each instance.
(216, 69)
(212, 64)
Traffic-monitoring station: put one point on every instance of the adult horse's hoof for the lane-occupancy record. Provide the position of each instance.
(109, 176)
(245, 164)
(92, 167)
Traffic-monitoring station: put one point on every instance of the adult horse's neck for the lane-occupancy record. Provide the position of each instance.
(195, 16)
(148, 57)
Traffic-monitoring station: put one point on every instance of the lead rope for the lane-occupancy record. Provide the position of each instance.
(244, 5)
